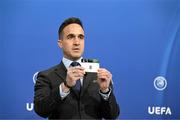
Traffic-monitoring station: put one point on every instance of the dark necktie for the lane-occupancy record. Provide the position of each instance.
(78, 82)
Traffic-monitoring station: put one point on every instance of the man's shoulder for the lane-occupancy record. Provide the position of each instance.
(50, 70)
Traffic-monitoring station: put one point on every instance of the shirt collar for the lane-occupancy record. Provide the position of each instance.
(67, 62)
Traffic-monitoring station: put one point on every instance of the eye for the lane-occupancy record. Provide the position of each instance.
(70, 36)
(81, 36)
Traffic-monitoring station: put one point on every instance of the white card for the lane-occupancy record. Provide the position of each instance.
(90, 67)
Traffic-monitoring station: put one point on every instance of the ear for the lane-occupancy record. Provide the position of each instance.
(60, 43)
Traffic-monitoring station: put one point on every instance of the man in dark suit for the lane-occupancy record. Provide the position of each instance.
(66, 91)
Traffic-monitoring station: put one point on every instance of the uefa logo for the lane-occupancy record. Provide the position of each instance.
(160, 83)
(35, 77)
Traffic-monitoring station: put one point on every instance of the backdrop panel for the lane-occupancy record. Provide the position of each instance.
(137, 40)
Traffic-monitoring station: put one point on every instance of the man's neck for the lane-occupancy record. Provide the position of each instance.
(73, 59)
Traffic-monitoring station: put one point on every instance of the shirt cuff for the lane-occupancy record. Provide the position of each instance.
(105, 96)
(62, 94)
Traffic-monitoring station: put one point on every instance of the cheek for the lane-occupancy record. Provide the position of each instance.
(82, 43)
(67, 45)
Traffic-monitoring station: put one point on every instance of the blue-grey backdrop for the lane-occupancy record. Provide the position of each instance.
(138, 40)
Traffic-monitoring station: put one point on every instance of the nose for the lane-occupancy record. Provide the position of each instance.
(76, 41)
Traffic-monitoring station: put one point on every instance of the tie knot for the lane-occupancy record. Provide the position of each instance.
(73, 64)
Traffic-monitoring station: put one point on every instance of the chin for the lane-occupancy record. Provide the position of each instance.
(75, 57)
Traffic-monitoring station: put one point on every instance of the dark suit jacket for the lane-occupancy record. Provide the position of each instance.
(88, 105)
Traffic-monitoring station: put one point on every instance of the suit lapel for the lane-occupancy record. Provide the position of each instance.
(61, 71)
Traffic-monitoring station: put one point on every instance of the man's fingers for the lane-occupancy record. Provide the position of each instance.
(102, 70)
(104, 75)
(75, 73)
(78, 75)
(77, 69)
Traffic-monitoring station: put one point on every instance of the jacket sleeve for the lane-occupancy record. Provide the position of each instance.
(45, 98)
(110, 108)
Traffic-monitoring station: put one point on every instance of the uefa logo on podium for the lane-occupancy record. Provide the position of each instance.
(35, 77)
(160, 83)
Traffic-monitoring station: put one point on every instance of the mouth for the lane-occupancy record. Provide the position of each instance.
(76, 49)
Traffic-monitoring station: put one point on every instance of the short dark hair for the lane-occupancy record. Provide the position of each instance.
(68, 21)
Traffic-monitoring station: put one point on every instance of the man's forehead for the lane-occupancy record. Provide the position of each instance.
(73, 28)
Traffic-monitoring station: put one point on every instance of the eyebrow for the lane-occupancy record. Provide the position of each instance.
(72, 35)
(81, 35)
